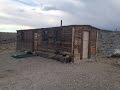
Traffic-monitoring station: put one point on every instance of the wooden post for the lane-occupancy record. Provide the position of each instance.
(61, 23)
(73, 39)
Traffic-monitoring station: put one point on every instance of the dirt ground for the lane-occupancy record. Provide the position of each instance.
(37, 73)
(7, 47)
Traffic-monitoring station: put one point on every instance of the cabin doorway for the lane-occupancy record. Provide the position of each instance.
(35, 41)
(85, 44)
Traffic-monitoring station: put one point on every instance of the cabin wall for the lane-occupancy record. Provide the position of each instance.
(92, 41)
(92, 45)
(67, 39)
(25, 41)
(78, 43)
(48, 41)
(55, 40)
(61, 40)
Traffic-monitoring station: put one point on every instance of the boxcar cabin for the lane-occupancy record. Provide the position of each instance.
(75, 41)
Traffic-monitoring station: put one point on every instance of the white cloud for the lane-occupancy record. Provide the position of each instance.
(48, 13)
(12, 28)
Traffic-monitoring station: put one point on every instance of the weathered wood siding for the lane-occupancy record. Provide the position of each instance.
(93, 40)
(55, 39)
(66, 39)
(25, 40)
(78, 43)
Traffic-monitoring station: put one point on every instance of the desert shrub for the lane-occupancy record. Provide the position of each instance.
(115, 55)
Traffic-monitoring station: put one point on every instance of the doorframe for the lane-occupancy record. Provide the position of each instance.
(89, 43)
(34, 41)
(73, 41)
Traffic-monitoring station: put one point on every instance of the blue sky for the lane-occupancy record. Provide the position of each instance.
(25, 14)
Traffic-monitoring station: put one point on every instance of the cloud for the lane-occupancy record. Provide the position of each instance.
(27, 2)
(48, 7)
(12, 28)
(48, 13)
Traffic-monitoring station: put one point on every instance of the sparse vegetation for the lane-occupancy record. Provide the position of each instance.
(115, 55)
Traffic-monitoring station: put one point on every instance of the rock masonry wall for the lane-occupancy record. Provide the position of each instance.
(107, 43)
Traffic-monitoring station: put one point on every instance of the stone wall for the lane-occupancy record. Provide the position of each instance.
(107, 43)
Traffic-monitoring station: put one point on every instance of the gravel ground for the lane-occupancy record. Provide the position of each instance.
(36, 73)
(7, 47)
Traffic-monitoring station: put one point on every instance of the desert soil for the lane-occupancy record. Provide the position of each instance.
(37, 73)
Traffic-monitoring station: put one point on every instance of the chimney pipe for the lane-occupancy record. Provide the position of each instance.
(61, 23)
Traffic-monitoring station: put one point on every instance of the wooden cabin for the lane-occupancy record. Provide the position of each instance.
(76, 41)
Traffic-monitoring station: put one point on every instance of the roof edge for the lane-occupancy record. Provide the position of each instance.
(59, 27)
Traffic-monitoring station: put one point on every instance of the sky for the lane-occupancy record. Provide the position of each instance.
(28, 14)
